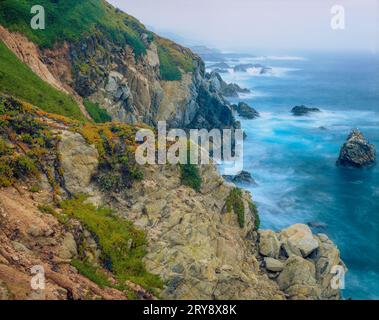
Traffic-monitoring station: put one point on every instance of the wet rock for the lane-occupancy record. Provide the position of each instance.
(356, 151)
(245, 111)
(217, 84)
(320, 226)
(243, 177)
(303, 110)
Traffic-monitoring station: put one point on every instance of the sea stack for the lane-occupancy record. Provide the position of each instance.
(303, 110)
(356, 151)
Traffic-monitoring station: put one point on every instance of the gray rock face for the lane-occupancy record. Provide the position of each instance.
(133, 91)
(230, 90)
(303, 110)
(356, 151)
(245, 111)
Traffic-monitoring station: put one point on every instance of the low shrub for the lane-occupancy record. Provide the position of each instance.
(254, 211)
(94, 274)
(190, 176)
(123, 246)
(98, 114)
(234, 203)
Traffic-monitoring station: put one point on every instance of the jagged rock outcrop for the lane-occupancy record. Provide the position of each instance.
(245, 111)
(303, 110)
(194, 244)
(204, 245)
(31, 238)
(243, 177)
(260, 69)
(217, 84)
(300, 262)
(356, 151)
(129, 88)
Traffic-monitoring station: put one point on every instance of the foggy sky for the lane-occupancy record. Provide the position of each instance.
(252, 25)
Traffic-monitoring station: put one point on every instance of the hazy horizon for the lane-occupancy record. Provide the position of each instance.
(257, 25)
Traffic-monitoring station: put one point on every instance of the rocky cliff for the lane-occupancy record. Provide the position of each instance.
(202, 244)
(141, 78)
(73, 200)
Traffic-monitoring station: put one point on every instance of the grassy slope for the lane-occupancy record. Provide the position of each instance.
(72, 19)
(98, 114)
(17, 79)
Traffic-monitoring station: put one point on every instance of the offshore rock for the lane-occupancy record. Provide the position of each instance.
(245, 111)
(356, 151)
(303, 110)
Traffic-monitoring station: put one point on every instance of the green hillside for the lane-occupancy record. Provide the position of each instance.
(72, 20)
(18, 80)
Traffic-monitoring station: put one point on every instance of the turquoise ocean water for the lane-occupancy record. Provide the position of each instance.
(293, 159)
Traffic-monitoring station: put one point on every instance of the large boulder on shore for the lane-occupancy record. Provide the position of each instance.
(300, 262)
(298, 240)
(356, 151)
(303, 110)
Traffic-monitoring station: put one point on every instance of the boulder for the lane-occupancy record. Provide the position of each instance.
(356, 151)
(68, 248)
(269, 245)
(245, 111)
(273, 265)
(298, 279)
(298, 240)
(303, 110)
(327, 258)
(79, 162)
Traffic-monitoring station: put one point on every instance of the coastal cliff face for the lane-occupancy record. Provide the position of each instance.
(73, 200)
(201, 244)
(132, 89)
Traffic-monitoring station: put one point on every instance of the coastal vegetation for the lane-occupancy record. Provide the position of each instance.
(235, 203)
(172, 61)
(123, 246)
(25, 144)
(18, 80)
(190, 176)
(98, 114)
(70, 20)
